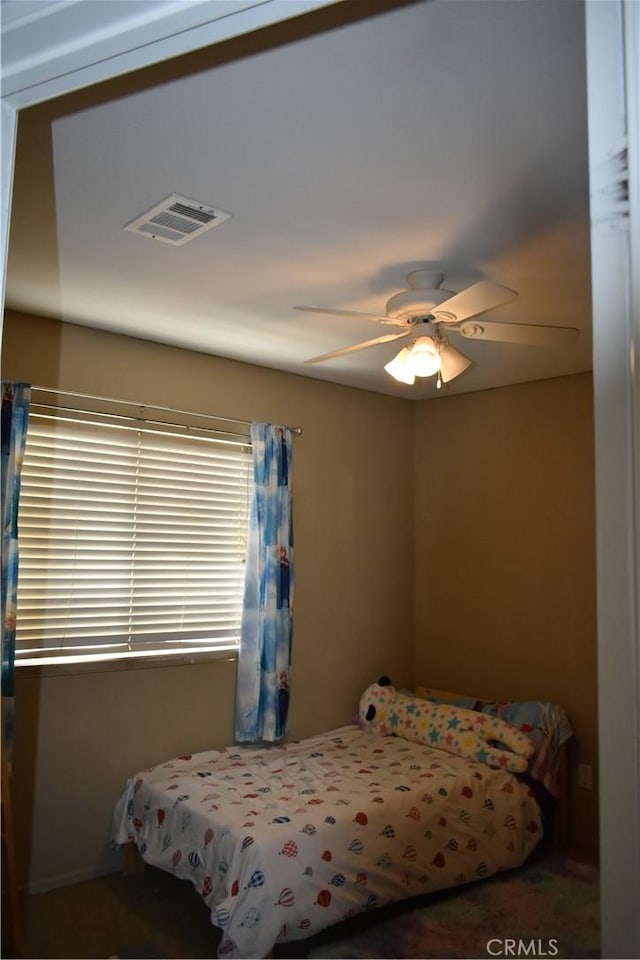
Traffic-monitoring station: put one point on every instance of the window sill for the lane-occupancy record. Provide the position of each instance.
(28, 671)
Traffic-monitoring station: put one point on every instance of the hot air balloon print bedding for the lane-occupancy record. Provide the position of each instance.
(283, 842)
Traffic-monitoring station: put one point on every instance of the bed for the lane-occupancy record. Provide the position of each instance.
(282, 842)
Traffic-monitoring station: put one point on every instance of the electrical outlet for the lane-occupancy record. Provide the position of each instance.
(585, 776)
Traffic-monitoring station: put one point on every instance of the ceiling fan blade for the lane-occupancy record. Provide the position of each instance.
(478, 298)
(377, 318)
(452, 363)
(359, 346)
(534, 334)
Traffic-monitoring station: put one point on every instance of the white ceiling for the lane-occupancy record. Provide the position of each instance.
(349, 149)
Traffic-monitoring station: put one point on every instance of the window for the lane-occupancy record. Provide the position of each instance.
(132, 539)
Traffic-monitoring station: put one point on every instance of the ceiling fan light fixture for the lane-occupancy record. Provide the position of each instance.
(424, 360)
(452, 362)
(419, 359)
(399, 367)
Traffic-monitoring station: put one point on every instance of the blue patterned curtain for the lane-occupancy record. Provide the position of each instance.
(15, 415)
(264, 660)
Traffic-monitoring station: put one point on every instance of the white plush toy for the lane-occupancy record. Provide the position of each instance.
(467, 733)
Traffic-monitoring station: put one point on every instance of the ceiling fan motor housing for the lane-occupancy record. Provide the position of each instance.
(416, 304)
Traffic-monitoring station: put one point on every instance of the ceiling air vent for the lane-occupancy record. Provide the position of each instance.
(177, 220)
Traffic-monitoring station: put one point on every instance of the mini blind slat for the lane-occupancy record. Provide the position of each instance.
(81, 519)
(92, 625)
(92, 580)
(110, 472)
(99, 611)
(129, 539)
(108, 555)
(155, 589)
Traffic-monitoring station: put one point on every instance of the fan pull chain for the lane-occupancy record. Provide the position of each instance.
(438, 381)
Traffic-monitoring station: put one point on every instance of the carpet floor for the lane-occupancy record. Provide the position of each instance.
(551, 906)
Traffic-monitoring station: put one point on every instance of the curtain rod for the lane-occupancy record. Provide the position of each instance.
(296, 431)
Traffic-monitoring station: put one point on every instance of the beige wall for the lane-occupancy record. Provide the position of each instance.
(505, 555)
(79, 737)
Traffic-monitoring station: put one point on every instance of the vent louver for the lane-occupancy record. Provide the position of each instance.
(176, 220)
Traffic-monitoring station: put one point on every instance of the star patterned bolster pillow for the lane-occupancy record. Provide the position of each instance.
(384, 712)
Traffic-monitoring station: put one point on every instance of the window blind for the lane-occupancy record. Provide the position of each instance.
(132, 539)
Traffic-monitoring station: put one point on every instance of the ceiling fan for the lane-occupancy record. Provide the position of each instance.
(425, 310)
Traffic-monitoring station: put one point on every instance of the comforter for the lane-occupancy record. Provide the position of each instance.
(283, 842)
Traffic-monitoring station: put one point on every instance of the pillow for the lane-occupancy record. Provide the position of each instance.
(385, 712)
(546, 724)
